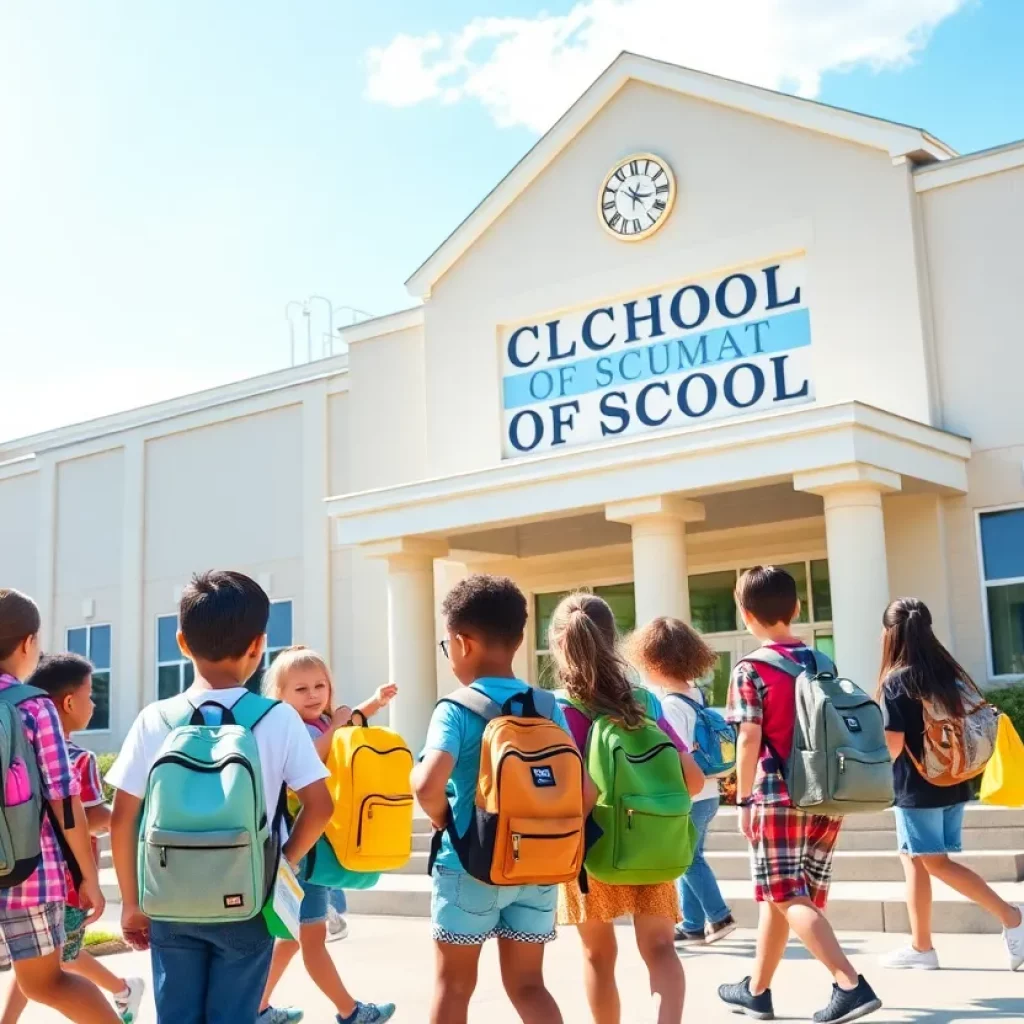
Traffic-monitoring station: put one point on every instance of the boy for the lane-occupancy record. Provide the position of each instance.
(32, 912)
(67, 679)
(791, 851)
(486, 619)
(214, 974)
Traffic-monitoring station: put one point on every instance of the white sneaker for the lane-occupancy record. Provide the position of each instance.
(910, 959)
(128, 1007)
(337, 926)
(1014, 939)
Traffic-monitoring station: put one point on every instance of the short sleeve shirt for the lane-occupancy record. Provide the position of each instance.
(682, 717)
(459, 732)
(85, 769)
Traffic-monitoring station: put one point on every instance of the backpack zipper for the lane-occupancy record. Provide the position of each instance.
(396, 800)
(653, 752)
(517, 836)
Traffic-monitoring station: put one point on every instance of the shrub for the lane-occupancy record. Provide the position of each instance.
(104, 762)
(1010, 700)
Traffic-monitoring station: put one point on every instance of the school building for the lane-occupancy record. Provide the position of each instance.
(699, 326)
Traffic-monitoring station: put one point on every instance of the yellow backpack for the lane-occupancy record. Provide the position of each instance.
(371, 827)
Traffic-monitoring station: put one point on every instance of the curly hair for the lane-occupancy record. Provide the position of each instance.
(671, 648)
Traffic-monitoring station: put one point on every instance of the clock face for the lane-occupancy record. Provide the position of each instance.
(636, 197)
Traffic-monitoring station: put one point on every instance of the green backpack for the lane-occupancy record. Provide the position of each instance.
(207, 852)
(839, 763)
(644, 806)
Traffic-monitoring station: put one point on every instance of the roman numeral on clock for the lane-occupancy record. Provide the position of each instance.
(659, 205)
(662, 189)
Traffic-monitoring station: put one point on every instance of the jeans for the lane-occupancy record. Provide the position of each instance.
(337, 900)
(698, 889)
(209, 973)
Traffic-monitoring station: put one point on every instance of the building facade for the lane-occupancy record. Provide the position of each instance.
(700, 326)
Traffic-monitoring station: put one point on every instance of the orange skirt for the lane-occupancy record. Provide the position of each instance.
(610, 902)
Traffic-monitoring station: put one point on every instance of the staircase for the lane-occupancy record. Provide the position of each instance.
(867, 891)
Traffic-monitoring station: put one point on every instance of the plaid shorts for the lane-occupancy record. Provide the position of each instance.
(792, 854)
(30, 933)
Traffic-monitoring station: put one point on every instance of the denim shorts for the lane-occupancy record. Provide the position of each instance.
(315, 899)
(465, 912)
(928, 830)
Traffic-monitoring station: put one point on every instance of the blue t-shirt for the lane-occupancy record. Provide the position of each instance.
(459, 732)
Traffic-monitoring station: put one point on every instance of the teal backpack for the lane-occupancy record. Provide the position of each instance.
(322, 867)
(644, 807)
(207, 852)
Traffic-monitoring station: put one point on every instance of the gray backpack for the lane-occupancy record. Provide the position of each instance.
(839, 763)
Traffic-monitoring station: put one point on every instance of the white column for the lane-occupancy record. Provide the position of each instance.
(411, 633)
(660, 576)
(316, 553)
(857, 563)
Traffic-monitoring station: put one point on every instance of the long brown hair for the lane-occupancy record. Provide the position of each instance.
(584, 640)
(927, 670)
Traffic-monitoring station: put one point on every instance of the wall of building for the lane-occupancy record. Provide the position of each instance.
(19, 531)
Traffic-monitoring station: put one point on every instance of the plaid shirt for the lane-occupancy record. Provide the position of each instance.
(745, 704)
(85, 769)
(42, 727)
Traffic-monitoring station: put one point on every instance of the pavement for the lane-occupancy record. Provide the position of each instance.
(391, 959)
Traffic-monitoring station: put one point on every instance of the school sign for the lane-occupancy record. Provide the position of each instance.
(721, 346)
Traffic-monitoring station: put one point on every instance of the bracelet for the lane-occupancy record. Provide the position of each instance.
(747, 801)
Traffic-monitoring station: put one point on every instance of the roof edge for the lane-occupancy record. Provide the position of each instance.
(971, 165)
(378, 326)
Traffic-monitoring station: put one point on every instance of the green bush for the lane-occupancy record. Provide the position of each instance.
(1010, 700)
(104, 763)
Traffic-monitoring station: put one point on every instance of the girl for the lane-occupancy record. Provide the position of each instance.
(583, 642)
(929, 819)
(300, 677)
(671, 656)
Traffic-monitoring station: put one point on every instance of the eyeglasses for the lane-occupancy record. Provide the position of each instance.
(443, 644)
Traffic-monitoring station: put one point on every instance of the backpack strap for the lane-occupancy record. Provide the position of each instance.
(695, 704)
(250, 709)
(474, 701)
(176, 711)
(20, 693)
(769, 656)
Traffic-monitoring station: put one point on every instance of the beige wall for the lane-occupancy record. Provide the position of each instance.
(19, 540)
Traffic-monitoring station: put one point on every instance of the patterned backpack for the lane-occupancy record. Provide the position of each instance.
(955, 749)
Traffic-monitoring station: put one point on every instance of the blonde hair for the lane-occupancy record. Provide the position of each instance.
(292, 658)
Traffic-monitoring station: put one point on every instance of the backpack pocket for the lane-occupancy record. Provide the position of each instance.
(548, 849)
(385, 826)
(863, 776)
(654, 834)
(17, 788)
(200, 876)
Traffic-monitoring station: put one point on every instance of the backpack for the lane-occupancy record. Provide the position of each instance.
(371, 827)
(644, 807)
(714, 739)
(527, 826)
(207, 852)
(839, 763)
(322, 867)
(955, 750)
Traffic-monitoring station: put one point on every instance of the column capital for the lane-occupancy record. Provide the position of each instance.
(657, 507)
(408, 549)
(848, 477)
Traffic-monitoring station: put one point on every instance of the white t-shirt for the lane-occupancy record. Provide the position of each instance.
(287, 754)
(683, 719)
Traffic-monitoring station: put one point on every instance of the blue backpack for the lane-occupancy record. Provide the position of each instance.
(714, 739)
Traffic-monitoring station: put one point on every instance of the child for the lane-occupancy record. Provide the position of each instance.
(485, 620)
(67, 678)
(32, 912)
(929, 819)
(791, 851)
(202, 972)
(583, 641)
(301, 678)
(671, 656)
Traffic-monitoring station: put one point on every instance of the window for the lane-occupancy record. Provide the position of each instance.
(279, 636)
(1002, 558)
(174, 672)
(94, 643)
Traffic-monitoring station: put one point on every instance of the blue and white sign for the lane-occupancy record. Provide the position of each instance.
(721, 346)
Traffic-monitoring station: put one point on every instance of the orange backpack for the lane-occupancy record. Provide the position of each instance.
(527, 826)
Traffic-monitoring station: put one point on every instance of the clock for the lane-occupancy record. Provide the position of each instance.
(636, 197)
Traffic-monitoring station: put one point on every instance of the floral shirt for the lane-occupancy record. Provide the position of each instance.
(42, 727)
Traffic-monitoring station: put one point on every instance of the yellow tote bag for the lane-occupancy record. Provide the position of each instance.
(1003, 781)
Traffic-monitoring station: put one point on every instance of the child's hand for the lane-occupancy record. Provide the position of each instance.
(92, 899)
(341, 716)
(385, 694)
(135, 927)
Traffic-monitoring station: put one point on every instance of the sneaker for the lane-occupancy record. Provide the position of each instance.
(845, 1006)
(910, 959)
(369, 1013)
(1014, 939)
(128, 1006)
(739, 997)
(280, 1015)
(720, 929)
(685, 938)
(337, 926)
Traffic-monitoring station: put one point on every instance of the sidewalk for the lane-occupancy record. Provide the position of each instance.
(391, 959)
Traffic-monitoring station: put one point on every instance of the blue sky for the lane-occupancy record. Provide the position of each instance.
(173, 174)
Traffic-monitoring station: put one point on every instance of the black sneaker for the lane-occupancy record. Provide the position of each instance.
(720, 929)
(685, 938)
(845, 1006)
(739, 998)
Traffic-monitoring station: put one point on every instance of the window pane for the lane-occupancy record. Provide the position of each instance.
(101, 698)
(547, 677)
(78, 641)
(712, 606)
(168, 681)
(821, 590)
(256, 682)
(1002, 544)
(826, 643)
(279, 628)
(716, 683)
(99, 646)
(189, 674)
(544, 606)
(1006, 626)
(621, 597)
(167, 638)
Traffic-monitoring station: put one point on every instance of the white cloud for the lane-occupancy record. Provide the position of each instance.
(526, 71)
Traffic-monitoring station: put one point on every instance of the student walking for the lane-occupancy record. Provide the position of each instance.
(919, 673)
(214, 973)
(583, 641)
(40, 798)
(301, 678)
(791, 851)
(672, 656)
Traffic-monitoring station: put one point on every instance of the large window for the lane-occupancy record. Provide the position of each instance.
(279, 636)
(1002, 559)
(94, 643)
